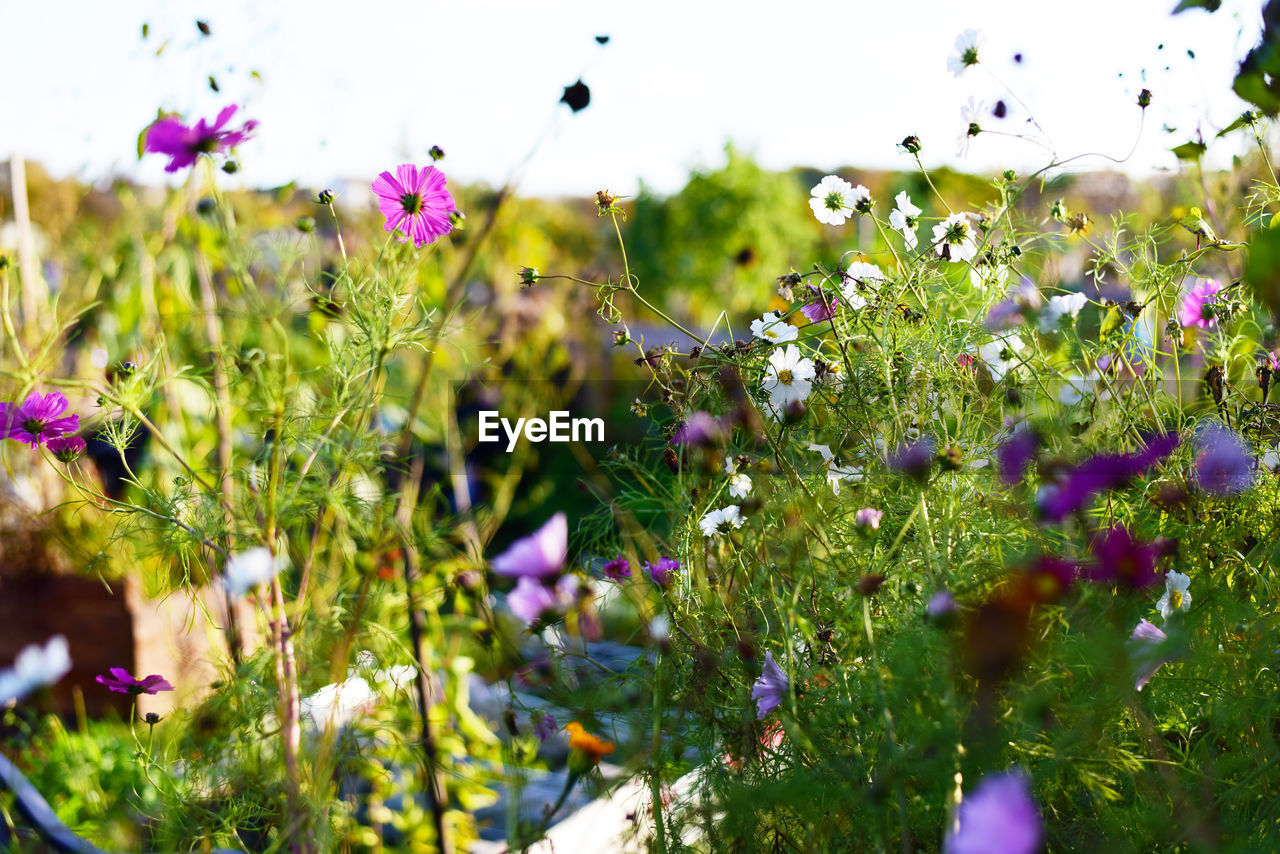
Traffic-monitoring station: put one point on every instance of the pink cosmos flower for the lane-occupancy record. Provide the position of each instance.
(530, 599)
(415, 203)
(123, 682)
(66, 448)
(539, 555)
(1197, 306)
(184, 145)
(37, 420)
(868, 517)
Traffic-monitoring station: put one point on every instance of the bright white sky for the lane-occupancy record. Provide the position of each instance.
(349, 89)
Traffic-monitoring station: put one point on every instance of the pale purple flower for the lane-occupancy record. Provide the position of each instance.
(770, 689)
(184, 145)
(868, 517)
(416, 203)
(818, 310)
(1223, 464)
(1198, 305)
(662, 571)
(530, 598)
(699, 429)
(544, 725)
(998, 817)
(37, 420)
(123, 682)
(539, 555)
(1145, 642)
(941, 604)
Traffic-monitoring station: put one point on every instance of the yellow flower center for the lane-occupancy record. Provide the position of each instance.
(1175, 599)
(784, 377)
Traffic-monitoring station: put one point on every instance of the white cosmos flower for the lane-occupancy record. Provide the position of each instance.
(1000, 354)
(903, 218)
(1271, 459)
(1177, 594)
(971, 115)
(338, 704)
(967, 45)
(35, 667)
(739, 485)
(954, 238)
(789, 377)
(772, 328)
(834, 199)
(248, 569)
(1063, 305)
(858, 271)
(718, 521)
(837, 473)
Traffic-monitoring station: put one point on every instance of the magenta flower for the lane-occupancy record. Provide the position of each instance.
(530, 599)
(700, 429)
(817, 310)
(618, 569)
(121, 681)
(1016, 454)
(66, 448)
(415, 203)
(37, 420)
(1223, 464)
(184, 145)
(1146, 642)
(543, 725)
(998, 817)
(538, 555)
(1124, 560)
(1098, 474)
(662, 571)
(1198, 306)
(770, 689)
(868, 517)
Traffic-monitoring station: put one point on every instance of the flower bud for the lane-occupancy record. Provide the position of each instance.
(911, 144)
(436, 152)
(305, 224)
(151, 719)
(1144, 98)
(457, 219)
(206, 207)
(325, 197)
(529, 275)
(231, 167)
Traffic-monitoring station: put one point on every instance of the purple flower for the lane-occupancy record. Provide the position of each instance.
(1050, 577)
(868, 517)
(1145, 643)
(416, 203)
(1099, 473)
(543, 725)
(38, 420)
(770, 689)
(121, 681)
(529, 599)
(617, 569)
(998, 817)
(941, 605)
(66, 448)
(1124, 560)
(184, 145)
(699, 429)
(539, 555)
(914, 459)
(1004, 314)
(662, 571)
(1016, 454)
(818, 311)
(1198, 305)
(1223, 464)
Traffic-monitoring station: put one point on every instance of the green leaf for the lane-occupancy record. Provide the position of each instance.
(1207, 5)
(1262, 269)
(1190, 150)
(1246, 119)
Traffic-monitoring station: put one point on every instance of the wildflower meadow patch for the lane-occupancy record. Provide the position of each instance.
(453, 520)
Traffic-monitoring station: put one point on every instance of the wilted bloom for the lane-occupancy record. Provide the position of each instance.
(770, 689)
(585, 749)
(246, 570)
(941, 605)
(772, 328)
(1122, 559)
(662, 571)
(1063, 305)
(788, 378)
(1145, 644)
(123, 682)
(35, 667)
(904, 218)
(416, 203)
(66, 449)
(530, 598)
(184, 145)
(834, 200)
(954, 238)
(718, 521)
(1223, 464)
(1198, 306)
(868, 517)
(998, 817)
(1016, 454)
(699, 429)
(618, 569)
(538, 555)
(37, 420)
(967, 44)
(1177, 594)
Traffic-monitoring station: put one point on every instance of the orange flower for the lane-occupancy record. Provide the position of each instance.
(586, 747)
